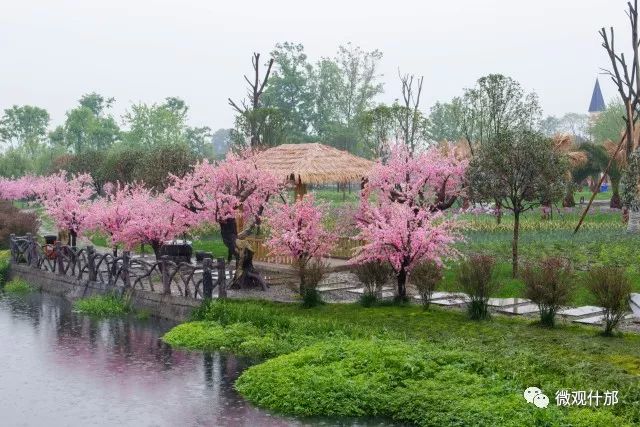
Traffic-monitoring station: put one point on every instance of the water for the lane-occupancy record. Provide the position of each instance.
(58, 368)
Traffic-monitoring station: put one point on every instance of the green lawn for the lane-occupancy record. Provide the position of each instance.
(602, 240)
(422, 367)
(586, 193)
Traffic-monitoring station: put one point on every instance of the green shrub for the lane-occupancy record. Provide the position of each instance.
(549, 285)
(425, 277)
(102, 306)
(18, 286)
(611, 288)
(476, 278)
(373, 275)
(13, 220)
(4, 266)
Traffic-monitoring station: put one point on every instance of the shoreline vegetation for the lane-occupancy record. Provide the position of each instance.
(421, 367)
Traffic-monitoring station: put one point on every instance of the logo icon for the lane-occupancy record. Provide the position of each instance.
(534, 395)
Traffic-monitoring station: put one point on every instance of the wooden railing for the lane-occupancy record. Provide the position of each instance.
(123, 272)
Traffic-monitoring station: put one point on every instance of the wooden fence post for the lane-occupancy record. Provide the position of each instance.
(126, 262)
(91, 261)
(59, 263)
(164, 266)
(12, 247)
(222, 276)
(30, 249)
(207, 279)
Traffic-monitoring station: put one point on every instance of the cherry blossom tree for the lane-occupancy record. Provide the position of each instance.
(67, 200)
(297, 231)
(146, 218)
(217, 192)
(19, 189)
(400, 214)
(111, 213)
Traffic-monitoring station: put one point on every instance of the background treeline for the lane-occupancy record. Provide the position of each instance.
(333, 100)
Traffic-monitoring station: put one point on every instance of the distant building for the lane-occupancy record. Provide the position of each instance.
(597, 104)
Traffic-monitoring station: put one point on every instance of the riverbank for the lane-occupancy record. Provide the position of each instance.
(423, 367)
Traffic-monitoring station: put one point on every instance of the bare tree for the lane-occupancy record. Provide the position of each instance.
(626, 77)
(627, 80)
(254, 92)
(410, 119)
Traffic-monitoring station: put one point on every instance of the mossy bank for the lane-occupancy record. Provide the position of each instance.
(425, 368)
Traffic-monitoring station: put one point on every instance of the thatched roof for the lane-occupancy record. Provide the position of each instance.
(313, 163)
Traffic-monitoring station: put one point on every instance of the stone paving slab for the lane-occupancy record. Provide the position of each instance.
(361, 290)
(635, 305)
(450, 301)
(520, 309)
(584, 311)
(339, 286)
(505, 302)
(596, 320)
(444, 295)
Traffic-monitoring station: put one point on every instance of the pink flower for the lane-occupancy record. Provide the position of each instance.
(297, 231)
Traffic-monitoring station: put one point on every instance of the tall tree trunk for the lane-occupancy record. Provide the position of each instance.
(514, 243)
(615, 202)
(73, 236)
(156, 249)
(402, 284)
(569, 201)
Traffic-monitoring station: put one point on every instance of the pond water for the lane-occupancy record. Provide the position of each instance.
(59, 368)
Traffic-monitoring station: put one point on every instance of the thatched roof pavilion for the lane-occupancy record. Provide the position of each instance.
(313, 163)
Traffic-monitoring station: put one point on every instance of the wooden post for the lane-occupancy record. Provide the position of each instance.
(222, 285)
(91, 261)
(12, 246)
(59, 264)
(166, 284)
(207, 279)
(126, 262)
(30, 249)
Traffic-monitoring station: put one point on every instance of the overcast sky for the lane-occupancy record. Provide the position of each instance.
(53, 51)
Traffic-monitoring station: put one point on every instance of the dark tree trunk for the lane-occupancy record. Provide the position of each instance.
(616, 201)
(514, 243)
(156, 249)
(73, 235)
(115, 251)
(229, 232)
(568, 201)
(402, 285)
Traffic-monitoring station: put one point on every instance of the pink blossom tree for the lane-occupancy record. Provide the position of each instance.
(216, 193)
(400, 214)
(67, 200)
(19, 189)
(146, 218)
(111, 214)
(297, 231)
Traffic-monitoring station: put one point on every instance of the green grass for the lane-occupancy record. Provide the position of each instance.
(586, 193)
(102, 306)
(424, 367)
(18, 286)
(4, 266)
(211, 243)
